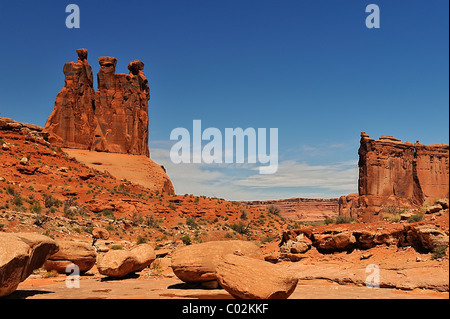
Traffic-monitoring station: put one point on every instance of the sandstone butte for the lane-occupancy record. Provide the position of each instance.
(396, 174)
(101, 128)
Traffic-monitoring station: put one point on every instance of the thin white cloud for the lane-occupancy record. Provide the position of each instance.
(243, 181)
(342, 176)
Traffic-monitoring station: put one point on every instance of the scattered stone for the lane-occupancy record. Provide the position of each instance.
(366, 256)
(443, 202)
(70, 252)
(433, 209)
(119, 263)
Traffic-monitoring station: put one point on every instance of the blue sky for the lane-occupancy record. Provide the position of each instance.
(309, 68)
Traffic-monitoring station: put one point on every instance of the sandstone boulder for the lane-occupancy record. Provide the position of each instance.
(433, 209)
(100, 233)
(119, 263)
(79, 253)
(20, 254)
(198, 262)
(426, 237)
(335, 240)
(248, 278)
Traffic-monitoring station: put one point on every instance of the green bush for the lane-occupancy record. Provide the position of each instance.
(239, 228)
(273, 210)
(36, 208)
(344, 220)
(190, 221)
(186, 240)
(244, 214)
(10, 190)
(141, 240)
(439, 252)
(17, 200)
(108, 213)
(415, 218)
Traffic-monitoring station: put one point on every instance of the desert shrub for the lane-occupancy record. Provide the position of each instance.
(36, 208)
(108, 213)
(17, 200)
(415, 218)
(439, 252)
(239, 228)
(190, 221)
(70, 211)
(10, 190)
(392, 213)
(141, 240)
(244, 214)
(136, 218)
(273, 210)
(151, 221)
(156, 267)
(186, 240)
(50, 274)
(344, 220)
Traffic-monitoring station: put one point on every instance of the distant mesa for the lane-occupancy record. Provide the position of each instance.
(113, 119)
(398, 174)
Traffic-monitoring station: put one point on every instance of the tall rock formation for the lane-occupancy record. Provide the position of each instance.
(432, 170)
(113, 119)
(393, 173)
(121, 109)
(72, 121)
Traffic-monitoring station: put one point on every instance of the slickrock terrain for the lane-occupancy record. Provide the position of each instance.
(138, 169)
(301, 209)
(396, 174)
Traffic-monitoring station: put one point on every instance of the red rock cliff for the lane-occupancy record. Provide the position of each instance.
(393, 173)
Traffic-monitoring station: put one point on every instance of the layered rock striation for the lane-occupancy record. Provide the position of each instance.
(113, 119)
(393, 173)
